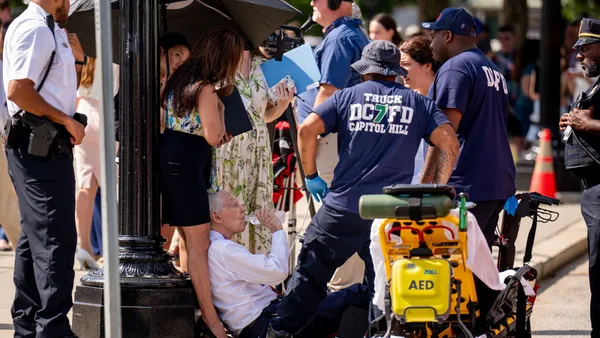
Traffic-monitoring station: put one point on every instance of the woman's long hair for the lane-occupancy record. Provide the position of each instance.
(388, 22)
(213, 61)
(87, 73)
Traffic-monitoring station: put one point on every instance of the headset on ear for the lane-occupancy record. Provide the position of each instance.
(334, 4)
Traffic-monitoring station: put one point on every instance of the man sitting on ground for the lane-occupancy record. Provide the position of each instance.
(240, 281)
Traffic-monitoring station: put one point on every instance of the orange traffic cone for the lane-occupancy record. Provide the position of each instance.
(543, 180)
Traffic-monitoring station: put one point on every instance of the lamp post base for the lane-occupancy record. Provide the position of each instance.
(146, 313)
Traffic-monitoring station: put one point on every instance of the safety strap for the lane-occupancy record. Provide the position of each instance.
(530, 239)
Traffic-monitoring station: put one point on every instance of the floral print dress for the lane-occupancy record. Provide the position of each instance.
(245, 163)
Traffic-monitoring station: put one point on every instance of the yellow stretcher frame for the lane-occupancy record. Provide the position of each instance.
(431, 232)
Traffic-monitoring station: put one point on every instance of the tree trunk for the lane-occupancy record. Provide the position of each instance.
(431, 9)
(516, 13)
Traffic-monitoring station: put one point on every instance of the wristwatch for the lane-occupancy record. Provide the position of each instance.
(82, 63)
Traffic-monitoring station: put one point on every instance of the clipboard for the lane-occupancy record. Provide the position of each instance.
(237, 120)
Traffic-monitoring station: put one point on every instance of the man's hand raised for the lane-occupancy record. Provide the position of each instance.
(268, 219)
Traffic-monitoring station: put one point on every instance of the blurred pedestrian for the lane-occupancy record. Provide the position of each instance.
(87, 158)
(384, 27)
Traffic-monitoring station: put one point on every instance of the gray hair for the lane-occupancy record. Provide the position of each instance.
(215, 201)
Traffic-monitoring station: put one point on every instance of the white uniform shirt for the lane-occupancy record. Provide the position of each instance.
(240, 281)
(3, 108)
(28, 46)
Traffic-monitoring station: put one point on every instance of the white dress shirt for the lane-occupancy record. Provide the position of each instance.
(240, 281)
(27, 48)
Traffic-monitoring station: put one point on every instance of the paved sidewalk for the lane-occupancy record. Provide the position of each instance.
(556, 245)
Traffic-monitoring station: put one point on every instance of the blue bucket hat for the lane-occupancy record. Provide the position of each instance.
(380, 57)
(456, 20)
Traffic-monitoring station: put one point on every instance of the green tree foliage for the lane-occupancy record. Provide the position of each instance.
(574, 9)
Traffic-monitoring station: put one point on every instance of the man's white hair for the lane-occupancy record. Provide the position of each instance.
(215, 201)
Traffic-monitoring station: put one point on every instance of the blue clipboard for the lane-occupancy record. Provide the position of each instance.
(299, 63)
(237, 120)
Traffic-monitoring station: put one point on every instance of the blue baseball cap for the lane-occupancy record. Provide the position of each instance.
(456, 20)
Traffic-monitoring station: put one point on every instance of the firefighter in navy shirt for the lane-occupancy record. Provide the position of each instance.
(474, 95)
(380, 124)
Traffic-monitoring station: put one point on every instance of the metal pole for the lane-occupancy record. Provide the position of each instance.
(108, 179)
(550, 65)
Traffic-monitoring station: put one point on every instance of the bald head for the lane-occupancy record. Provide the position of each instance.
(325, 16)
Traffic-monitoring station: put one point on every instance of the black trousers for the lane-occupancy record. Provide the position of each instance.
(590, 209)
(45, 253)
(487, 214)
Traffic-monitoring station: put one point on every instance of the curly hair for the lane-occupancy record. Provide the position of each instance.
(213, 61)
(418, 48)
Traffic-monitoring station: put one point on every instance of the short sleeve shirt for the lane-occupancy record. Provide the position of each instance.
(28, 46)
(341, 47)
(380, 126)
(472, 84)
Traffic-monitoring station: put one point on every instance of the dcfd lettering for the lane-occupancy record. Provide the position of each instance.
(494, 78)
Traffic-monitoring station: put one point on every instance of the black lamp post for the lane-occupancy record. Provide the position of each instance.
(156, 299)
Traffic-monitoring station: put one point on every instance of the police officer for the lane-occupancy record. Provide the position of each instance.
(38, 53)
(380, 125)
(582, 153)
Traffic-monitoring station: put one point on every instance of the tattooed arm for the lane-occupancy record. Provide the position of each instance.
(444, 154)
(308, 133)
(431, 172)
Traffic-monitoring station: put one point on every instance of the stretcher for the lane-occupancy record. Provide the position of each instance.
(430, 290)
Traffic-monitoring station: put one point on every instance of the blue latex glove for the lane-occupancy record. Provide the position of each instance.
(317, 187)
(511, 205)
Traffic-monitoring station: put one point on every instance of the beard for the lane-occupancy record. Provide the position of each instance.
(591, 69)
(62, 13)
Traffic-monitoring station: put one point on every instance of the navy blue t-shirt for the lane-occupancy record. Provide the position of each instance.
(341, 47)
(472, 84)
(380, 125)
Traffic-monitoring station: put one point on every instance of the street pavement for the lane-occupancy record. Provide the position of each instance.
(562, 306)
(557, 244)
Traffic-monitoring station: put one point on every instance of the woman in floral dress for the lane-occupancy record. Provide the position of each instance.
(245, 163)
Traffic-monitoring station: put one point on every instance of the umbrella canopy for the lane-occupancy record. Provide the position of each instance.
(255, 19)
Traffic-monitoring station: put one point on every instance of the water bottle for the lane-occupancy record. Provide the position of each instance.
(280, 214)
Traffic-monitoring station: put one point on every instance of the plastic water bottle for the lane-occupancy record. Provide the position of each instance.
(280, 214)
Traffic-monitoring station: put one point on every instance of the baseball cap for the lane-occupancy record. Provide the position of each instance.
(456, 20)
(589, 32)
(380, 57)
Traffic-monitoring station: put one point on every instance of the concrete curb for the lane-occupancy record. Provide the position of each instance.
(553, 255)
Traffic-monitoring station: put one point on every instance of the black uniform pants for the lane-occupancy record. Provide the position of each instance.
(45, 253)
(590, 209)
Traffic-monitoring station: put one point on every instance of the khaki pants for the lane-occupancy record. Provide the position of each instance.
(10, 218)
(353, 270)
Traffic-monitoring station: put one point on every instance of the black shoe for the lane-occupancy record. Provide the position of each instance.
(271, 333)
